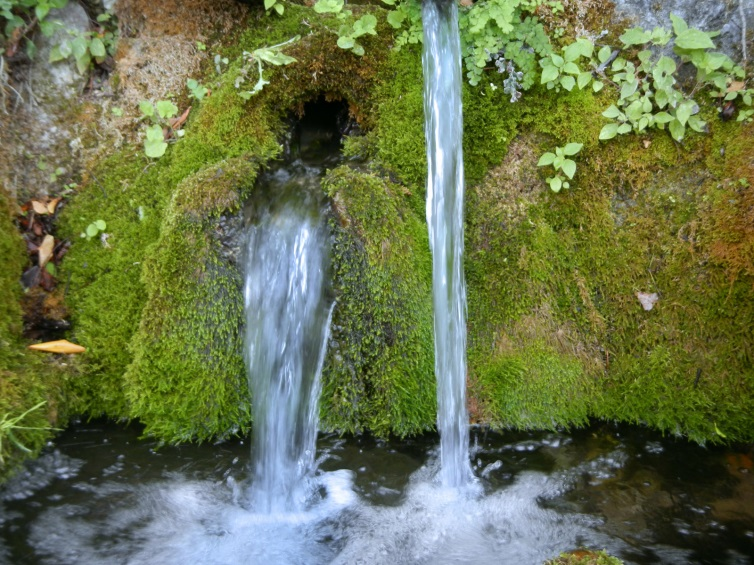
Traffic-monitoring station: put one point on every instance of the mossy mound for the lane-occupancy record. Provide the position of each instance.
(379, 373)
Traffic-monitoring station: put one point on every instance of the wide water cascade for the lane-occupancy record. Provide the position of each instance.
(287, 322)
(443, 127)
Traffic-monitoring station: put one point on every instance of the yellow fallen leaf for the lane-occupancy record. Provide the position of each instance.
(59, 346)
(735, 86)
(38, 207)
(52, 204)
(46, 249)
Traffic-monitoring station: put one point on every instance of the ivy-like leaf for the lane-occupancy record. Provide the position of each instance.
(612, 112)
(568, 83)
(635, 36)
(584, 79)
(546, 159)
(97, 48)
(328, 6)
(154, 144)
(572, 148)
(694, 39)
(166, 109)
(604, 54)
(346, 42)
(677, 130)
(549, 74)
(597, 85)
(365, 24)
(679, 24)
(569, 168)
(395, 18)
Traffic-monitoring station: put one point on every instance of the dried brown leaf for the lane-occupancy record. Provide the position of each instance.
(60, 346)
(45, 250)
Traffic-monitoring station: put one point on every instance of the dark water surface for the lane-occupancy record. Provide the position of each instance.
(100, 495)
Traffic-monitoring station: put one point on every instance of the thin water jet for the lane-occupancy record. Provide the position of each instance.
(443, 127)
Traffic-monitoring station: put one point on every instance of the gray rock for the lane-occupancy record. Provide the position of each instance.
(52, 82)
(707, 15)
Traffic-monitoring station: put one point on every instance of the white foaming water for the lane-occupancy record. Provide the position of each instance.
(287, 324)
(443, 127)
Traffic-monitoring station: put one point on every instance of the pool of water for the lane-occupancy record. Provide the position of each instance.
(101, 495)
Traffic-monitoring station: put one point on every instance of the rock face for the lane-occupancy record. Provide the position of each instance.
(731, 18)
(555, 330)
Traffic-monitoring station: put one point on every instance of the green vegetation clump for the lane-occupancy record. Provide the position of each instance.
(29, 390)
(379, 373)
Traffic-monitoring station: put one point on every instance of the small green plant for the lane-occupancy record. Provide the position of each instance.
(265, 55)
(349, 31)
(87, 48)
(10, 425)
(20, 17)
(93, 229)
(560, 162)
(276, 5)
(201, 46)
(159, 114)
(196, 89)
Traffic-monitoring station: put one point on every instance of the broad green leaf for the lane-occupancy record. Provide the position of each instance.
(56, 54)
(549, 74)
(679, 24)
(166, 109)
(568, 83)
(328, 6)
(97, 48)
(91, 230)
(546, 159)
(147, 108)
(635, 36)
(697, 124)
(79, 47)
(660, 36)
(604, 54)
(83, 63)
(619, 64)
(154, 144)
(41, 10)
(358, 49)
(101, 225)
(677, 130)
(192, 83)
(555, 183)
(346, 42)
(612, 112)
(279, 8)
(269, 4)
(666, 65)
(663, 118)
(389, 2)
(557, 60)
(694, 39)
(572, 148)
(572, 52)
(584, 79)
(273, 56)
(569, 168)
(597, 85)
(365, 24)
(661, 98)
(395, 18)
(628, 88)
(624, 128)
(684, 110)
(571, 68)
(634, 110)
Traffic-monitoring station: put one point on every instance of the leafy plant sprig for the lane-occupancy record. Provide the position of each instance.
(560, 162)
(276, 5)
(21, 17)
(196, 89)
(93, 229)
(264, 55)
(349, 31)
(159, 114)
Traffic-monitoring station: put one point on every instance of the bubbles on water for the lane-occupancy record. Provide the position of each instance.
(47, 468)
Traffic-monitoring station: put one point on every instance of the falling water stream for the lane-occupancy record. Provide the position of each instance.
(443, 127)
(287, 323)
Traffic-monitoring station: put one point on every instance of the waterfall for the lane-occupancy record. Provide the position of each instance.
(287, 325)
(443, 126)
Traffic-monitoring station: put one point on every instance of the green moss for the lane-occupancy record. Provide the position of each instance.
(567, 267)
(379, 374)
(187, 379)
(25, 381)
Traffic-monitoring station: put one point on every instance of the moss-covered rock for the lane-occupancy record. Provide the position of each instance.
(379, 373)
